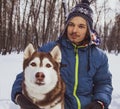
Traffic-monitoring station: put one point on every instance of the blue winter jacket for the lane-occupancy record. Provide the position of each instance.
(85, 72)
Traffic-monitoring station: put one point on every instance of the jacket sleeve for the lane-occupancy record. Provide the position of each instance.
(103, 81)
(47, 47)
(17, 86)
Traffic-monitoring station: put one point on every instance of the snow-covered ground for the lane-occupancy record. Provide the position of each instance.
(11, 65)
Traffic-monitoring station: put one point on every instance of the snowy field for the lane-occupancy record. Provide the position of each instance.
(11, 65)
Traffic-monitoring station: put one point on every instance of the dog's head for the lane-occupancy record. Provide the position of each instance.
(41, 70)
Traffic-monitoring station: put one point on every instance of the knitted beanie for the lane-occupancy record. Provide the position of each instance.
(83, 10)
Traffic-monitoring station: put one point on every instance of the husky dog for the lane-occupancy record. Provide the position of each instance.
(42, 83)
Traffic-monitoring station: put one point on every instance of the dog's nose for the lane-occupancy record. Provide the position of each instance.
(40, 75)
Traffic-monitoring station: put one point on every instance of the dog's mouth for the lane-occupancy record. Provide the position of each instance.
(38, 82)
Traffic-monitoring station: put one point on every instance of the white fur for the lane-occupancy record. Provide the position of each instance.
(50, 79)
(58, 106)
(56, 54)
(29, 50)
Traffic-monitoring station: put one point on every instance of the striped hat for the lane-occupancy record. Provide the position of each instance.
(83, 10)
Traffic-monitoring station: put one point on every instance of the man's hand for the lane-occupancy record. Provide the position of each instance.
(95, 105)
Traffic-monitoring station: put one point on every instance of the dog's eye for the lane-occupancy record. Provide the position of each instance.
(48, 65)
(33, 64)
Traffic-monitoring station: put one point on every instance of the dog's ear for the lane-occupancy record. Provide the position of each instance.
(29, 50)
(56, 53)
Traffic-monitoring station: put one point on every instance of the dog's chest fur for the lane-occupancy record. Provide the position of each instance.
(42, 83)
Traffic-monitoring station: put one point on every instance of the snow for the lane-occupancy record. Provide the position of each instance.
(11, 65)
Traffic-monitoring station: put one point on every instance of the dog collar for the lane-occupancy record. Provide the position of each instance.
(53, 104)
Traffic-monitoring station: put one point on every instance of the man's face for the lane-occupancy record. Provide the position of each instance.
(76, 30)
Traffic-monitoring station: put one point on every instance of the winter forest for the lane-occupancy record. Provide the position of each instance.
(40, 21)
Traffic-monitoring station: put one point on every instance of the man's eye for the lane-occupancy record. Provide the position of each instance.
(48, 65)
(70, 24)
(33, 64)
(81, 26)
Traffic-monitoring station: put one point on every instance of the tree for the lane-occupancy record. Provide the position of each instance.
(40, 21)
(113, 42)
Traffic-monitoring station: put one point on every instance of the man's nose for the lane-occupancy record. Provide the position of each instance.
(75, 29)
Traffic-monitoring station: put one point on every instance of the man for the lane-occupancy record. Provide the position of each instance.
(84, 66)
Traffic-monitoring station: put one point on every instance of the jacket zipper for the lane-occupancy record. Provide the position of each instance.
(76, 77)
